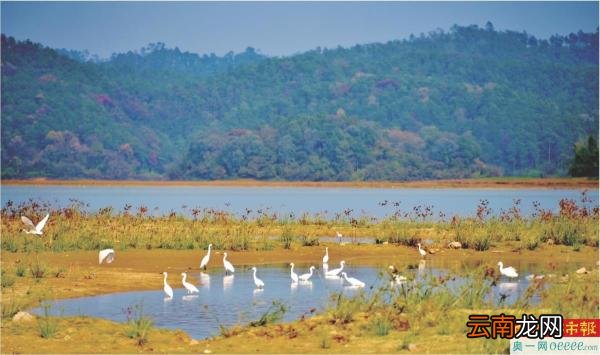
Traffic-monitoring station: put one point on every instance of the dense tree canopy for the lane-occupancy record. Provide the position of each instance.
(468, 102)
(585, 162)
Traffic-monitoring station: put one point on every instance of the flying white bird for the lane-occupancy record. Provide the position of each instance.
(257, 282)
(293, 274)
(508, 271)
(326, 257)
(421, 251)
(168, 290)
(227, 265)
(335, 272)
(352, 281)
(188, 286)
(306, 277)
(106, 254)
(206, 258)
(34, 229)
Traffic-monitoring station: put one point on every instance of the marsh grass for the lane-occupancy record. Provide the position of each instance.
(273, 314)
(37, 268)
(287, 238)
(380, 325)
(6, 280)
(138, 324)
(12, 307)
(20, 270)
(343, 309)
(47, 324)
(74, 228)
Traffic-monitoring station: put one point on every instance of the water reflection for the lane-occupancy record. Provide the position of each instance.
(227, 282)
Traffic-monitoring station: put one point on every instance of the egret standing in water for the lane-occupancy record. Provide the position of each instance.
(396, 277)
(335, 272)
(168, 290)
(508, 271)
(326, 257)
(257, 282)
(34, 229)
(188, 286)
(106, 254)
(227, 265)
(352, 281)
(306, 277)
(339, 236)
(421, 251)
(205, 259)
(293, 274)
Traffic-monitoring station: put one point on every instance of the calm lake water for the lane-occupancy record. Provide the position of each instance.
(284, 201)
(232, 300)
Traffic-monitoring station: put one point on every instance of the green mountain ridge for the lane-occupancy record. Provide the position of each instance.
(465, 103)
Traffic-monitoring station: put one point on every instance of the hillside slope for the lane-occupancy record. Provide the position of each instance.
(469, 102)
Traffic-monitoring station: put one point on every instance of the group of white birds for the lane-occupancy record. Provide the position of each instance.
(260, 284)
(108, 256)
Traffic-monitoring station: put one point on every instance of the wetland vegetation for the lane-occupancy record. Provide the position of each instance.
(419, 316)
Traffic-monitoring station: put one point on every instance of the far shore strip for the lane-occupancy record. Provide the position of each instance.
(501, 183)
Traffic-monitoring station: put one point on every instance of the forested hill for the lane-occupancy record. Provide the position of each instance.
(464, 103)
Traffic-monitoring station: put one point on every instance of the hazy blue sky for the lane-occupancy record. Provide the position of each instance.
(273, 28)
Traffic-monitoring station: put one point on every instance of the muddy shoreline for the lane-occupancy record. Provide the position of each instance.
(491, 183)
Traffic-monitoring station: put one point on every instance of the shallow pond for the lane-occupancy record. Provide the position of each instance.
(231, 300)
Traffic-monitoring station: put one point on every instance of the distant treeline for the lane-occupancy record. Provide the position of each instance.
(465, 103)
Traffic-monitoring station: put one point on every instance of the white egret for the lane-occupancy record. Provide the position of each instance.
(339, 235)
(306, 277)
(257, 282)
(168, 290)
(421, 251)
(335, 272)
(106, 254)
(206, 258)
(34, 229)
(508, 271)
(326, 257)
(396, 277)
(188, 286)
(293, 274)
(352, 281)
(534, 277)
(227, 265)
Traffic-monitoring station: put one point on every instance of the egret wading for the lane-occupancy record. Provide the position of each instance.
(188, 286)
(257, 282)
(205, 259)
(227, 265)
(421, 251)
(352, 281)
(508, 271)
(293, 275)
(168, 290)
(306, 277)
(335, 272)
